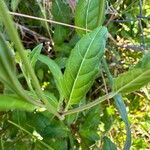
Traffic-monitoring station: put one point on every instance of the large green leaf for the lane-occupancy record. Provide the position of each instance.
(135, 78)
(83, 65)
(14, 102)
(89, 14)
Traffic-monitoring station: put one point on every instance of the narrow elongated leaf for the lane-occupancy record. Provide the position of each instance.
(7, 64)
(135, 78)
(6, 57)
(122, 110)
(14, 102)
(35, 54)
(89, 14)
(55, 70)
(83, 65)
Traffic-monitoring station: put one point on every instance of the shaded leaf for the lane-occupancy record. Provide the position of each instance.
(55, 130)
(61, 11)
(89, 14)
(90, 135)
(60, 34)
(108, 144)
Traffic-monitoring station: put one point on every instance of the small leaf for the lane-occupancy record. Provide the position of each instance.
(60, 34)
(135, 78)
(55, 70)
(108, 144)
(35, 54)
(83, 65)
(89, 14)
(14, 4)
(13, 102)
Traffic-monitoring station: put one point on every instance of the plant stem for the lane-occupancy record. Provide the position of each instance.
(107, 71)
(8, 22)
(91, 104)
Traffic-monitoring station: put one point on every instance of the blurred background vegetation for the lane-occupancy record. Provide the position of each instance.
(129, 24)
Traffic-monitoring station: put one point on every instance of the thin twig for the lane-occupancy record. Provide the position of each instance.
(47, 20)
(135, 47)
(33, 33)
(105, 86)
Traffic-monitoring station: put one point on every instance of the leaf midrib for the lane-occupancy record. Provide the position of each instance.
(86, 20)
(84, 58)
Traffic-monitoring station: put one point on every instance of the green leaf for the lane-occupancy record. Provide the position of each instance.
(14, 4)
(135, 78)
(55, 130)
(89, 14)
(7, 68)
(35, 54)
(108, 144)
(13, 102)
(122, 111)
(7, 63)
(92, 119)
(61, 11)
(51, 98)
(121, 108)
(83, 65)
(60, 34)
(37, 121)
(90, 135)
(55, 70)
